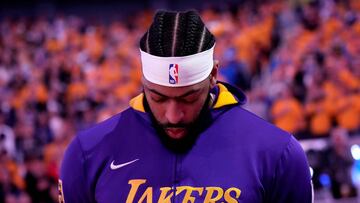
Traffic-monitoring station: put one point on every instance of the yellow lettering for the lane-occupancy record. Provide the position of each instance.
(188, 190)
(213, 194)
(209, 195)
(164, 198)
(148, 194)
(135, 184)
(227, 196)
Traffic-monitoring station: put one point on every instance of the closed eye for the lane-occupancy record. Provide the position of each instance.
(189, 99)
(158, 99)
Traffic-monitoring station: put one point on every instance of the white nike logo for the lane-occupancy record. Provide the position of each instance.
(114, 167)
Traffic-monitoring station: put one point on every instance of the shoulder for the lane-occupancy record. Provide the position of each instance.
(258, 137)
(85, 148)
(251, 128)
(92, 137)
(278, 153)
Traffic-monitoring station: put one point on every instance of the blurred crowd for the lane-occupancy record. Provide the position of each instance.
(298, 62)
(300, 66)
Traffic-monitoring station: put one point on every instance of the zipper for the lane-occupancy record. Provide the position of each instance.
(176, 177)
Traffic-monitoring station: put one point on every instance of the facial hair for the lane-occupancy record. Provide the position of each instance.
(194, 129)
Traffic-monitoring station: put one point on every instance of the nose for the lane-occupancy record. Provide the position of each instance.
(174, 113)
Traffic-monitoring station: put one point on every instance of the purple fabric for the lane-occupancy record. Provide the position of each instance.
(239, 158)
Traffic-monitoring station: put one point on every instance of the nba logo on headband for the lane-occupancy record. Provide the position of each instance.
(173, 73)
(177, 71)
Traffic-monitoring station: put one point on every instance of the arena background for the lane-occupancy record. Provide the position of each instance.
(66, 65)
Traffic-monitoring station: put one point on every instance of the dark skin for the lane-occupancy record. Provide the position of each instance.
(176, 108)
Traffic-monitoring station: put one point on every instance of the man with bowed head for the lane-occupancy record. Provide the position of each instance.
(185, 138)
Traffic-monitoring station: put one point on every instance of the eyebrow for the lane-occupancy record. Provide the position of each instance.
(183, 95)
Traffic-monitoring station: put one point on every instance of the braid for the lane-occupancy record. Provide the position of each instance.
(209, 40)
(157, 29)
(176, 34)
(180, 35)
(194, 27)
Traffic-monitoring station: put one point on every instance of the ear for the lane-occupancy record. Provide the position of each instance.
(213, 74)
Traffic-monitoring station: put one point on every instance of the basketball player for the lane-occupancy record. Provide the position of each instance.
(186, 137)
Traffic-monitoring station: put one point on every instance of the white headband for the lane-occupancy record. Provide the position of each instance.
(177, 71)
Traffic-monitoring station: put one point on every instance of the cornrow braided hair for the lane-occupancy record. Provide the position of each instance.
(176, 34)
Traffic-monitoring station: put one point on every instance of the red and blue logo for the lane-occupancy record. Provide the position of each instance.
(174, 73)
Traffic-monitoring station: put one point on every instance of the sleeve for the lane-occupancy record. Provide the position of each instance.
(73, 185)
(292, 179)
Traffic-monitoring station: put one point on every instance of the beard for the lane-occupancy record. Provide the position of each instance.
(193, 129)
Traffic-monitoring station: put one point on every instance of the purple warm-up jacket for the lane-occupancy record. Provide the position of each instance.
(239, 157)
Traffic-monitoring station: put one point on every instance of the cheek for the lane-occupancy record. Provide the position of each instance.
(192, 111)
(158, 111)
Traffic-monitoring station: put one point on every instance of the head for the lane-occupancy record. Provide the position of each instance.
(178, 34)
(339, 137)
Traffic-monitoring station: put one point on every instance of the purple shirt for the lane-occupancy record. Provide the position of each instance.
(238, 158)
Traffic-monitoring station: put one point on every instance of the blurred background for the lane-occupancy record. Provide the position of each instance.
(66, 65)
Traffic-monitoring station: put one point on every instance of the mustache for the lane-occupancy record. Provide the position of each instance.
(178, 125)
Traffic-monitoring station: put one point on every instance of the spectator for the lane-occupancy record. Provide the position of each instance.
(339, 162)
(7, 138)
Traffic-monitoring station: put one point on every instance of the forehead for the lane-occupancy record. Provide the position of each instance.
(174, 91)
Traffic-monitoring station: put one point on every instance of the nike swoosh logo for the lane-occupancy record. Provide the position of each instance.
(114, 167)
